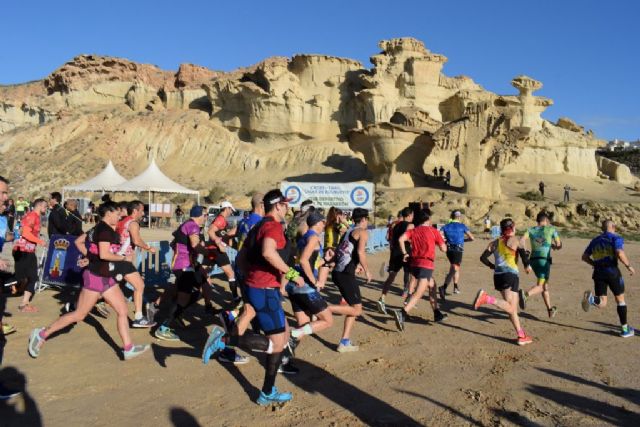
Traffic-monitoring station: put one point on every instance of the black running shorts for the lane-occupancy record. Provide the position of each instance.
(348, 286)
(611, 279)
(505, 281)
(396, 262)
(421, 273)
(454, 257)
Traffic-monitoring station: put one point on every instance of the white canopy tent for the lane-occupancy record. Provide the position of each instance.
(104, 181)
(152, 180)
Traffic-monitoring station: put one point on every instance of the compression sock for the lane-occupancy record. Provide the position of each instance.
(250, 341)
(622, 313)
(299, 332)
(271, 370)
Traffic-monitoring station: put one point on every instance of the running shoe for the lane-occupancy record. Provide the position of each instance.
(275, 397)
(214, 344)
(553, 311)
(398, 316)
(135, 351)
(522, 301)
(288, 368)
(35, 342)
(142, 323)
(102, 309)
(481, 299)
(456, 290)
(166, 334)
(526, 339)
(8, 329)
(382, 307)
(347, 347)
(586, 300)
(7, 393)
(439, 316)
(442, 293)
(151, 310)
(627, 331)
(232, 357)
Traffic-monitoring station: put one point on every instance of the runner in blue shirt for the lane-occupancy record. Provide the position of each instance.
(455, 234)
(603, 254)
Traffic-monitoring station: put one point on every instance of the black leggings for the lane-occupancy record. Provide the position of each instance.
(26, 267)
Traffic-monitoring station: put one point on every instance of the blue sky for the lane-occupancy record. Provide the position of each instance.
(587, 53)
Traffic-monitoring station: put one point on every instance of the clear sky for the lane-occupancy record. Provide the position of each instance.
(586, 52)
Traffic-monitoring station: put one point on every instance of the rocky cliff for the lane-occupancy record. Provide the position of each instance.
(305, 117)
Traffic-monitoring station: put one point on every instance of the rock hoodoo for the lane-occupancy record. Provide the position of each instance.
(305, 114)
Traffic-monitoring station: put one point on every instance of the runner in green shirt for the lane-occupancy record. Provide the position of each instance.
(543, 238)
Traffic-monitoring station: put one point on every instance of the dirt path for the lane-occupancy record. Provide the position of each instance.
(467, 371)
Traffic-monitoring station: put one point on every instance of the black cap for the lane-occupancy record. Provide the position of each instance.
(314, 217)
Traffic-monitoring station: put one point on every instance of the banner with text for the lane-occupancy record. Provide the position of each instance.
(347, 196)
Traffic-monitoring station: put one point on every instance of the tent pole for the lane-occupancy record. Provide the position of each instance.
(149, 210)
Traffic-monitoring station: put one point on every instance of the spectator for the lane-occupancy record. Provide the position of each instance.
(441, 172)
(567, 189)
(73, 219)
(56, 223)
(22, 207)
(541, 188)
(447, 177)
(179, 214)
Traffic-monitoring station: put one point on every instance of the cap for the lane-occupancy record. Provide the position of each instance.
(457, 214)
(306, 205)
(314, 217)
(196, 211)
(272, 197)
(227, 204)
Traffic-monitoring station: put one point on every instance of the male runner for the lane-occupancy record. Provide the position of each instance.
(505, 249)
(129, 230)
(424, 239)
(455, 234)
(603, 254)
(218, 230)
(543, 238)
(396, 257)
(264, 254)
(246, 224)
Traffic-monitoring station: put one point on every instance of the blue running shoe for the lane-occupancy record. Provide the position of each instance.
(274, 398)
(214, 344)
(627, 331)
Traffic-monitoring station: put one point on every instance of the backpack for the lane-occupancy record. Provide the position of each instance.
(179, 237)
(344, 252)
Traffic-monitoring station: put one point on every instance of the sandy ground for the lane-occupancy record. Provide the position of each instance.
(467, 371)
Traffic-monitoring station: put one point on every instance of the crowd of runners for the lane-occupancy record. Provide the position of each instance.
(294, 258)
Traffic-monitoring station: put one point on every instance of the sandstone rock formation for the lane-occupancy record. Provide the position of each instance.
(615, 171)
(309, 116)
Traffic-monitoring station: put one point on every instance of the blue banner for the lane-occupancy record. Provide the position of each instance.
(61, 265)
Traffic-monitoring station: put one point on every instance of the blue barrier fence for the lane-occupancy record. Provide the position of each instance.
(156, 268)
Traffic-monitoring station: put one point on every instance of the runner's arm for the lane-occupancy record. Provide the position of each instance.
(194, 240)
(80, 244)
(587, 258)
(469, 236)
(625, 261)
(484, 258)
(213, 229)
(136, 238)
(28, 234)
(362, 253)
(312, 244)
(270, 254)
(401, 242)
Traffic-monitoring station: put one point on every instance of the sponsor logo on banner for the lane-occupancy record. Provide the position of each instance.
(293, 192)
(359, 196)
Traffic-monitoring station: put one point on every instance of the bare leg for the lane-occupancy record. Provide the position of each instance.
(417, 295)
(138, 290)
(86, 301)
(114, 297)
(351, 312)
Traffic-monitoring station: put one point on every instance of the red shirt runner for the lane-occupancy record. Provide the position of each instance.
(263, 275)
(424, 240)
